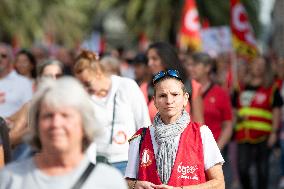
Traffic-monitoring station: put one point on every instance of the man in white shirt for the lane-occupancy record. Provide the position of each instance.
(15, 90)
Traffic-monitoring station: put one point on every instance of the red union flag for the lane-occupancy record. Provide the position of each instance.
(189, 36)
(242, 34)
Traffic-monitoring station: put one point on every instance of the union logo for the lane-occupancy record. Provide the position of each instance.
(146, 158)
(120, 137)
(187, 172)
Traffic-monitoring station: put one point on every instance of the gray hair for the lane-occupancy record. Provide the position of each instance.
(47, 62)
(65, 91)
(111, 65)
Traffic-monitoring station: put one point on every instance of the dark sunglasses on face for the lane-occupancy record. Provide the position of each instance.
(3, 55)
(168, 73)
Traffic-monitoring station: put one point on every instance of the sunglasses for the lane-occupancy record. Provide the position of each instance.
(3, 56)
(168, 73)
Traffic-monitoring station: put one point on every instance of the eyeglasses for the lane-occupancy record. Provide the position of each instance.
(3, 56)
(168, 73)
(56, 76)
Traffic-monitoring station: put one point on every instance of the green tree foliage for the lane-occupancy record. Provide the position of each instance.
(67, 21)
(160, 19)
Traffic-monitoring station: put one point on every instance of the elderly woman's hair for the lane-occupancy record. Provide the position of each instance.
(111, 65)
(65, 91)
(88, 60)
(40, 67)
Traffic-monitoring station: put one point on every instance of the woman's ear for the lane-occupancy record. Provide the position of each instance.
(186, 97)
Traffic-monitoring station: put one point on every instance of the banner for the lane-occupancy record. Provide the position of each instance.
(216, 40)
(189, 36)
(243, 38)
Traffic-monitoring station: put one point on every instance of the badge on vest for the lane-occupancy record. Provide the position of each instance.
(147, 157)
(187, 172)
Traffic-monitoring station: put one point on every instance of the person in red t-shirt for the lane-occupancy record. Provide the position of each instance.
(216, 101)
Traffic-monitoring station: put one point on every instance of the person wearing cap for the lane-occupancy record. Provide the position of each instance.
(174, 152)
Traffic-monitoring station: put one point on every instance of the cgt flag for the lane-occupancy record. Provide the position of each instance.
(243, 38)
(189, 35)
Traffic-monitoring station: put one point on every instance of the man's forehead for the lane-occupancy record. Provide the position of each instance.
(3, 49)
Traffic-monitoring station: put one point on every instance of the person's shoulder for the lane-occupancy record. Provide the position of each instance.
(219, 89)
(204, 128)
(125, 81)
(138, 134)
(20, 78)
(108, 177)
(18, 167)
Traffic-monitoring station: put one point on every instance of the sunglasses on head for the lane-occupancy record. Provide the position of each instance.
(168, 73)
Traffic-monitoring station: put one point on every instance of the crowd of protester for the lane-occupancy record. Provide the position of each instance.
(239, 99)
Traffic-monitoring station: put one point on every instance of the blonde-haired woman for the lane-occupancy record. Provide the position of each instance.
(120, 106)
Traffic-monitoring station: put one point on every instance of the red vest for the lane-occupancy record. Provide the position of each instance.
(258, 112)
(188, 168)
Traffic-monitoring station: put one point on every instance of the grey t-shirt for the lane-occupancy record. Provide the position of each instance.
(26, 175)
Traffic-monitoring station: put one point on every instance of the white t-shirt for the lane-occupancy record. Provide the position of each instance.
(26, 175)
(212, 154)
(17, 90)
(131, 113)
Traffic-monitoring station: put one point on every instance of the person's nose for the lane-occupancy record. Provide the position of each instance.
(56, 120)
(150, 62)
(170, 99)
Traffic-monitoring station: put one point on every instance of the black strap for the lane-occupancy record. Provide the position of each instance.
(113, 118)
(142, 137)
(84, 176)
(4, 136)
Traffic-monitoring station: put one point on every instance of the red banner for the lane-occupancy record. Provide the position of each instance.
(242, 33)
(189, 36)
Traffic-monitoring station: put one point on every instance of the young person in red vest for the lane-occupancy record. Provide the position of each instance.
(257, 104)
(174, 152)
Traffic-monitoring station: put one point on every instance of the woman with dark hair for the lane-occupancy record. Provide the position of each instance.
(25, 64)
(162, 56)
(175, 152)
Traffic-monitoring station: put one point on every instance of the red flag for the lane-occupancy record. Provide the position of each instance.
(242, 34)
(189, 36)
